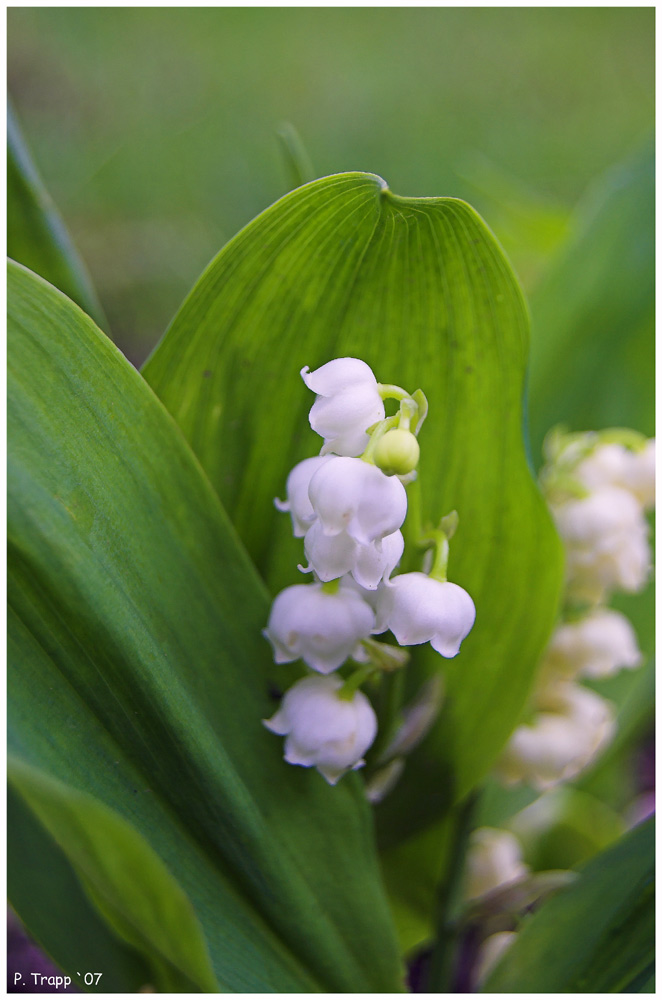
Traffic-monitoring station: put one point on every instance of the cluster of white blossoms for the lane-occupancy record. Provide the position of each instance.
(348, 505)
(599, 487)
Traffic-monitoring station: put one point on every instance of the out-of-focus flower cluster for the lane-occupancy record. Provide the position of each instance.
(599, 487)
(348, 505)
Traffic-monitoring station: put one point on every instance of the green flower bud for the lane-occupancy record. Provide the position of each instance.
(397, 453)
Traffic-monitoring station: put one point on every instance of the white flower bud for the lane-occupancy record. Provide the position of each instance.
(322, 628)
(597, 645)
(606, 539)
(397, 452)
(419, 609)
(349, 495)
(574, 727)
(613, 464)
(298, 503)
(323, 730)
(494, 859)
(348, 402)
(490, 953)
(331, 556)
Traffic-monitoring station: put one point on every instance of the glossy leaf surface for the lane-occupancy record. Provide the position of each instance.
(139, 674)
(420, 290)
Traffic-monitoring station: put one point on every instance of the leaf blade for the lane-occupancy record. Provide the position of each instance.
(420, 290)
(595, 936)
(137, 613)
(36, 234)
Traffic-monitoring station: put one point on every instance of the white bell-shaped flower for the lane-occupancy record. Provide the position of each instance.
(597, 645)
(331, 556)
(298, 503)
(351, 496)
(494, 859)
(575, 725)
(613, 464)
(606, 541)
(320, 627)
(348, 402)
(323, 730)
(374, 598)
(420, 609)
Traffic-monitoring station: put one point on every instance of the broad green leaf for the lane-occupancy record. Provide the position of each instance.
(592, 316)
(36, 234)
(37, 869)
(420, 290)
(597, 936)
(139, 675)
(141, 900)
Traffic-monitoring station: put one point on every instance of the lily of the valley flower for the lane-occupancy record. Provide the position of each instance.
(597, 645)
(613, 464)
(322, 728)
(571, 730)
(354, 497)
(348, 402)
(331, 556)
(606, 541)
(322, 628)
(420, 609)
(494, 859)
(298, 502)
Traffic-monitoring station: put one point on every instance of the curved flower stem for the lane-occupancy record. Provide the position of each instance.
(441, 977)
(355, 680)
(378, 432)
(388, 391)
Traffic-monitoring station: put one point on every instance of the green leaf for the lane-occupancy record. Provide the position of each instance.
(597, 936)
(412, 873)
(593, 320)
(69, 926)
(140, 898)
(139, 675)
(36, 234)
(420, 290)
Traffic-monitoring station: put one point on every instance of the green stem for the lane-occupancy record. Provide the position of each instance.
(449, 898)
(354, 681)
(387, 391)
(380, 430)
(439, 569)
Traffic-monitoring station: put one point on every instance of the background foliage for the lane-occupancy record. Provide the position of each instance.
(154, 130)
(155, 133)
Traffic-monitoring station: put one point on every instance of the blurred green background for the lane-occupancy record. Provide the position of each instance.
(154, 128)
